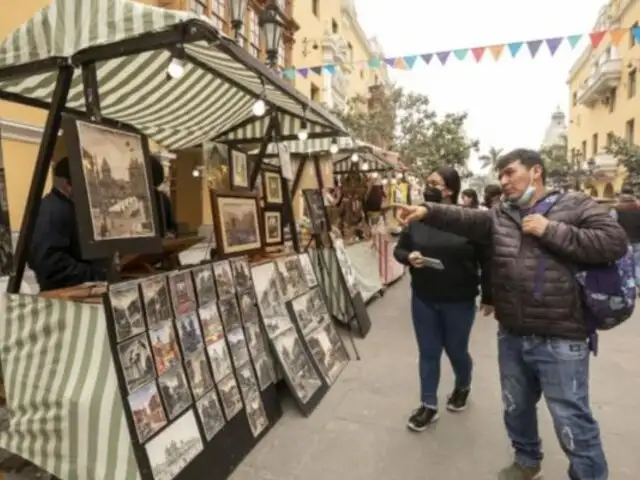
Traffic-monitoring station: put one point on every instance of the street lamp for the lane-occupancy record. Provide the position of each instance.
(238, 8)
(272, 29)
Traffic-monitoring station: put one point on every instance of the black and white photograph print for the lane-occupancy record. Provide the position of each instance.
(197, 366)
(7, 260)
(241, 273)
(220, 359)
(268, 286)
(183, 295)
(310, 310)
(238, 347)
(136, 361)
(211, 324)
(239, 170)
(254, 407)
(328, 351)
(126, 307)
(293, 278)
(264, 370)
(345, 265)
(175, 447)
(211, 416)
(224, 278)
(230, 313)
(248, 307)
(205, 285)
(308, 270)
(297, 365)
(255, 339)
(230, 396)
(164, 346)
(189, 333)
(146, 410)
(175, 391)
(157, 300)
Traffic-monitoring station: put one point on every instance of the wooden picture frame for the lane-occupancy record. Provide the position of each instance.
(272, 226)
(226, 208)
(272, 188)
(238, 170)
(115, 201)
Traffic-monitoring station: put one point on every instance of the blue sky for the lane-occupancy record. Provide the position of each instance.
(509, 102)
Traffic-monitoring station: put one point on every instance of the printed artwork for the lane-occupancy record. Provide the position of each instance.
(220, 359)
(265, 371)
(272, 227)
(210, 413)
(157, 300)
(328, 351)
(239, 225)
(174, 391)
(293, 282)
(254, 407)
(164, 346)
(211, 323)
(197, 366)
(241, 273)
(183, 294)
(136, 361)
(310, 310)
(345, 266)
(205, 286)
(7, 260)
(126, 308)
(230, 396)
(146, 409)
(189, 333)
(230, 313)
(248, 307)
(273, 187)
(238, 347)
(268, 285)
(224, 278)
(308, 270)
(239, 168)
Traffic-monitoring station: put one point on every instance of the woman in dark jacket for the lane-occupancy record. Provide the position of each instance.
(444, 287)
(470, 198)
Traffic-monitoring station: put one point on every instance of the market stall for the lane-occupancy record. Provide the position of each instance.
(164, 375)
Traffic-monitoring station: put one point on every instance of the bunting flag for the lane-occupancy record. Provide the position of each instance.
(476, 54)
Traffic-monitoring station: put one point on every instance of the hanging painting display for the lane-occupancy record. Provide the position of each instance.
(239, 170)
(236, 222)
(273, 227)
(317, 213)
(272, 187)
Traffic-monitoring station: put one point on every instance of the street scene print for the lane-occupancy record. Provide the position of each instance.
(211, 323)
(230, 396)
(230, 313)
(204, 283)
(136, 361)
(254, 408)
(224, 279)
(271, 302)
(183, 295)
(293, 278)
(126, 308)
(174, 391)
(120, 200)
(189, 333)
(220, 359)
(328, 351)
(308, 270)
(157, 300)
(297, 365)
(241, 273)
(256, 341)
(345, 265)
(164, 346)
(197, 367)
(174, 448)
(238, 347)
(264, 370)
(210, 413)
(310, 310)
(248, 307)
(146, 410)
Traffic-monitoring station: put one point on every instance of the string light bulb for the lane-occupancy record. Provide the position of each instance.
(175, 69)
(259, 108)
(333, 149)
(303, 134)
(354, 157)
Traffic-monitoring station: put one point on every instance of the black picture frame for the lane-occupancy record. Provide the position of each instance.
(269, 213)
(272, 176)
(91, 245)
(240, 169)
(317, 210)
(218, 209)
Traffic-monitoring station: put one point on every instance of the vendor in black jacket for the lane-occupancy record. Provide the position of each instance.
(54, 255)
(443, 303)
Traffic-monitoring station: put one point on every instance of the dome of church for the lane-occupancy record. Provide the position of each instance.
(556, 132)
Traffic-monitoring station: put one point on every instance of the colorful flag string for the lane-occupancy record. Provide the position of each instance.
(478, 54)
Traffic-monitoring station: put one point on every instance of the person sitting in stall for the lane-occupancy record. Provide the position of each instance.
(165, 208)
(54, 255)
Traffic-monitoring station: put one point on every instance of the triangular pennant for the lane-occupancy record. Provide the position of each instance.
(317, 70)
(399, 64)
(636, 33)
(289, 73)
(617, 35)
(443, 57)
(330, 69)
(574, 39)
(514, 48)
(461, 53)
(596, 38)
(374, 62)
(534, 46)
(496, 51)
(426, 57)
(410, 61)
(304, 72)
(390, 61)
(553, 44)
(478, 52)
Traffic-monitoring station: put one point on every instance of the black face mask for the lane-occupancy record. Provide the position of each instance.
(432, 194)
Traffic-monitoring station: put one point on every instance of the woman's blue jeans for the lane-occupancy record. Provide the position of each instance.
(442, 326)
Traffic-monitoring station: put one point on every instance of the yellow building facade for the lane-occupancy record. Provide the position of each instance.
(605, 96)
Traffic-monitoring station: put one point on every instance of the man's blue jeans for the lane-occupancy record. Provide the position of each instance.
(558, 369)
(442, 326)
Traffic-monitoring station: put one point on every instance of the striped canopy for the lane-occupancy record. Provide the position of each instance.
(212, 100)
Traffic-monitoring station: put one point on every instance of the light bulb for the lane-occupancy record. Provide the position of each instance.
(195, 172)
(398, 175)
(374, 175)
(384, 181)
(259, 108)
(303, 135)
(354, 157)
(333, 148)
(175, 69)
(365, 166)
(393, 181)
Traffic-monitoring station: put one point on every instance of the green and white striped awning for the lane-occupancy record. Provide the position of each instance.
(212, 99)
(367, 162)
(312, 146)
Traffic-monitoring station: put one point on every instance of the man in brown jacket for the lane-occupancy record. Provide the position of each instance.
(542, 336)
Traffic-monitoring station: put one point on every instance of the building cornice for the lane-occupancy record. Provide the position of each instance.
(21, 132)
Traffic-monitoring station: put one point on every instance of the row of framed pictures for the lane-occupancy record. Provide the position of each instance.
(271, 186)
(190, 338)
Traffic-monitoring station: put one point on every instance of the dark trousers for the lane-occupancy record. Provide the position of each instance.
(442, 326)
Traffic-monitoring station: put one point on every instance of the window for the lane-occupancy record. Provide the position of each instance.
(629, 131)
(584, 149)
(315, 7)
(218, 13)
(610, 137)
(574, 99)
(612, 99)
(254, 33)
(632, 37)
(594, 144)
(281, 5)
(334, 26)
(631, 83)
(281, 55)
(198, 6)
(314, 93)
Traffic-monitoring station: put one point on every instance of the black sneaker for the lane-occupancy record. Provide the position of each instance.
(458, 400)
(421, 418)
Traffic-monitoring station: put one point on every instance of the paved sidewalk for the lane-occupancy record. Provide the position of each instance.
(358, 431)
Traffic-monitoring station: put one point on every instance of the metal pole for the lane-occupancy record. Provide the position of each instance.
(39, 177)
(268, 134)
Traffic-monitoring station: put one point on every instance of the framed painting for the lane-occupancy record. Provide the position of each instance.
(239, 169)
(236, 223)
(273, 228)
(115, 200)
(272, 187)
(316, 209)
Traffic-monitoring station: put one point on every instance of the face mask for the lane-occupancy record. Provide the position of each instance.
(432, 194)
(525, 198)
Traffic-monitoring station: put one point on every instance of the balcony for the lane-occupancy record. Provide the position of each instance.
(605, 75)
(604, 164)
(335, 49)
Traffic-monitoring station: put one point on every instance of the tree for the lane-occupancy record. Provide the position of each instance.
(491, 158)
(628, 156)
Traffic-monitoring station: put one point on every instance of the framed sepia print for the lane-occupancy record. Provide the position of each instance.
(239, 169)
(316, 208)
(113, 191)
(272, 187)
(236, 223)
(273, 231)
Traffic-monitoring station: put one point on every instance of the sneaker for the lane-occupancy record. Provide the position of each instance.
(518, 472)
(421, 418)
(458, 400)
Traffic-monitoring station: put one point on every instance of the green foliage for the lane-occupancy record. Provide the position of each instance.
(628, 156)
(491, 158)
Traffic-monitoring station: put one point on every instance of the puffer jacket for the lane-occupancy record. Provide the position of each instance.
(580, 233)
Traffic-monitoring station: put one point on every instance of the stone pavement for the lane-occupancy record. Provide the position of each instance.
(358, 431)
